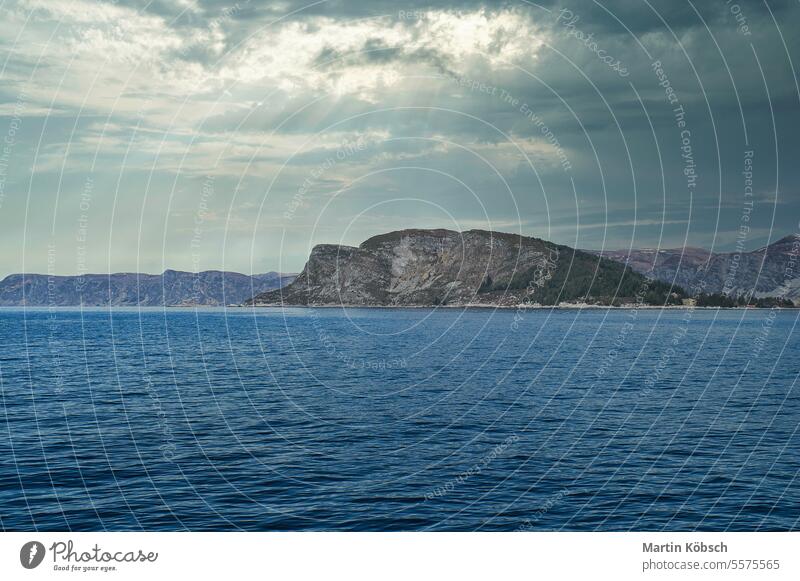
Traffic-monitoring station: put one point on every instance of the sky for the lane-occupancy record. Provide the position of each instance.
(200, 134)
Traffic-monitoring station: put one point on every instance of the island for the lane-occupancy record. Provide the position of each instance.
(428, 268)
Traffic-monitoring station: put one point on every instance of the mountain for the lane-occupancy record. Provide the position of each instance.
(771, 271)
(443, 267)
(172, 288)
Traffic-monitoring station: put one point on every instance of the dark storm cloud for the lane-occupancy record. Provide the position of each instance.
(245, 88)
(262, 13)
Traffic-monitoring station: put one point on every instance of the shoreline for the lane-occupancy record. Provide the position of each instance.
(522, 307)
(512, 307)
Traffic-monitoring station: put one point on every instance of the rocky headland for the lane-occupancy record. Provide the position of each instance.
(477, 267)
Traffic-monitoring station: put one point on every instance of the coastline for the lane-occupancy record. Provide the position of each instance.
(562, 307)
(476, 306)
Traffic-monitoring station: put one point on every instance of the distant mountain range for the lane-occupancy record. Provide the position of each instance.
(770, 271)
(172, 288)
(444, 267)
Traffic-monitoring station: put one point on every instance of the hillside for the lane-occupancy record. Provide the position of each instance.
(770, 271)
(444, 267)
(172, 288)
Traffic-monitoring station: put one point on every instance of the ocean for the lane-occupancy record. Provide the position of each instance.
(399, 419)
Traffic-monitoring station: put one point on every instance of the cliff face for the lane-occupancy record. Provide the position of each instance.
(172, 288)
(443, 267)
(766, 272)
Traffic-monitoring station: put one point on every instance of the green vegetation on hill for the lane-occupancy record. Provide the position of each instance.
(726, 301)
(582, 277)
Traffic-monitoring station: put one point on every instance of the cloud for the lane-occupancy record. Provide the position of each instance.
(148, 97)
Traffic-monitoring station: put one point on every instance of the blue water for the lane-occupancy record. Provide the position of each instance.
(377, 419)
